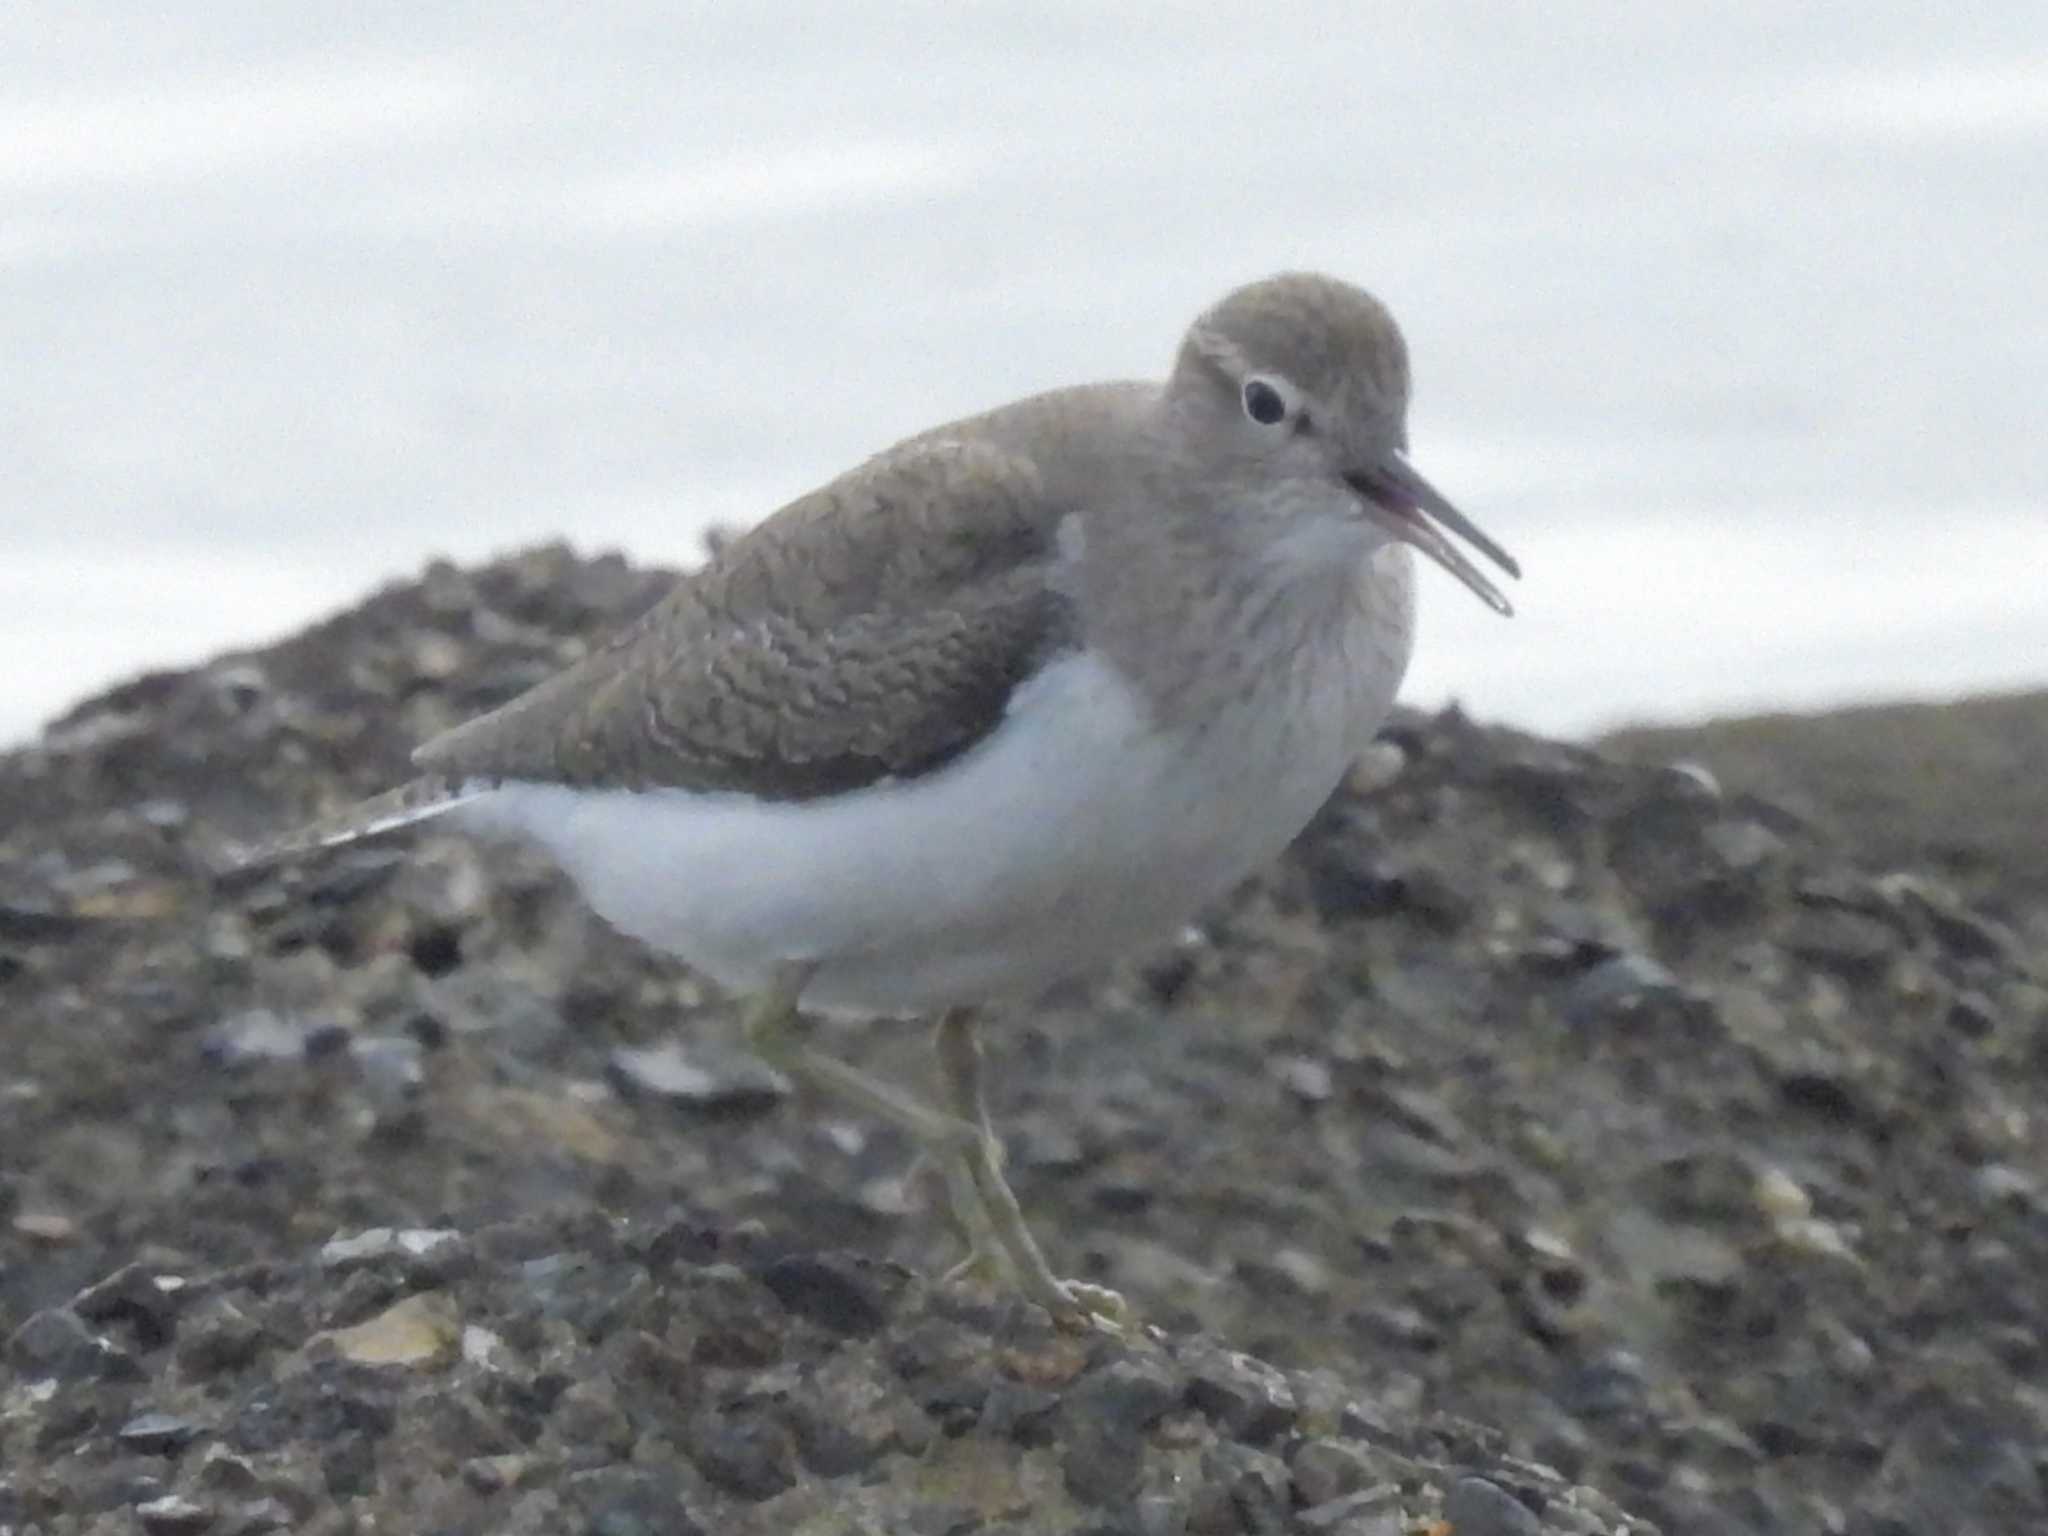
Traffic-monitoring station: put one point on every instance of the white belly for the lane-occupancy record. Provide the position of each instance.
(1075, 833)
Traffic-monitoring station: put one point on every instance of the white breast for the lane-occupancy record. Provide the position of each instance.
(1074, 833)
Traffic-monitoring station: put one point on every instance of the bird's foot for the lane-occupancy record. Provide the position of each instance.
(1092, 1308)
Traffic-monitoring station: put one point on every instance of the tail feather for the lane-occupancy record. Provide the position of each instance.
(416, 800)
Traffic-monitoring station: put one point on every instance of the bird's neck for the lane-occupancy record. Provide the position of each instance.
(1194, 620)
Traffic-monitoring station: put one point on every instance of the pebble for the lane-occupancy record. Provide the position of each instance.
(1370, 1512)
(52, 1227)
(139, 1295)
(57, 1343)
(1329, 1470)
(703, 1078)
(1780, 1196)
(849, 1295)
(1248, 1398)
(377, 1245)
(158, 1434)
(1476, 1506)
(742, 1451)
(1308, 1078)
(173, 1515)
(217, 1336)
(1617, 980)
(421, 1330)
(393, 1068)
(254, 1036)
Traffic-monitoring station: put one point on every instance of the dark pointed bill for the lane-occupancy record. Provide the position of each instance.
(1410, 508)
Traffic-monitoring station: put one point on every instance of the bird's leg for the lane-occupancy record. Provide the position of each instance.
(985, 1261)
(986, 1258)
(959, 1050)
(774, 1033)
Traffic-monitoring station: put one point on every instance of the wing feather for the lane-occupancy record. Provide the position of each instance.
(874, 629)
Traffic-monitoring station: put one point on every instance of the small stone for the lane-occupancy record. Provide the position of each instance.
(1811, 1235)
(1244, 1491)
(1476, 1506)
(51, 1227)
(1159, 1514)
(1132, 1394)
(56, 1343)
(158, 1434)
(217, 1336)
(1306, 1077)
(1429, 894)
(1014, 1411)
(844, 1293)
(1403, 1327)
(1743, 845)
(1851, 944)
(434, 656)
(589, 1420)
(173, 1516)
(1328, 1470)
(628, 1501)
(1973, 1016)
(485, 1350)
(136, 1294)
(253, 1037)
(1250, 1399)
(1611, 1388)
(1374, 1511)
(1780, 1197)
(377, 1245)
(1689, 776)
(393, 1068)
(36, 920)
(1617, 981)
(1103, 1464)
(2002, 1184)
(421, 1330)
(494, 1474)
(224, 1471)
(258, 1517)
(744, 1453)
(705, 1079)
(1304, 1271)
(1378, 766)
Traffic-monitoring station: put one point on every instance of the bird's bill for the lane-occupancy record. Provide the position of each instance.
(1417, 513)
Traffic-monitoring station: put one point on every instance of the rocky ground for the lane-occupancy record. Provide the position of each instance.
(1955, 788)
(1540, 1125)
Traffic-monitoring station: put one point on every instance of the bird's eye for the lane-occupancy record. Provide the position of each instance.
(1263, 402)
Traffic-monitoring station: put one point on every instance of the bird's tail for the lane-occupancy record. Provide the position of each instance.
(417, 800)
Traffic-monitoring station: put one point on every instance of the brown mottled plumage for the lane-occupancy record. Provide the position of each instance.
(872, 629)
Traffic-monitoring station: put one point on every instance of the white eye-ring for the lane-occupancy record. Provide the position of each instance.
(1267, 401)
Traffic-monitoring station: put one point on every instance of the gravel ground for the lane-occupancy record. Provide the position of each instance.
(1539, 1125)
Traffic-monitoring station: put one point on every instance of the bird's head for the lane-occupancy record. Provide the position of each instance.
(1297, 387)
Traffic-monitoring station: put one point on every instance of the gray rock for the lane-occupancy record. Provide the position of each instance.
(1248, 1398)
(846, 1294)
(171, 1515)
(158, 1434)
(1476, 1507)
(743, 1451)
(702, 1078)
(140, 1295)
(57, 1343)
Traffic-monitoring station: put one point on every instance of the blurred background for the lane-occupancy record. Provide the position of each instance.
(1731, 320)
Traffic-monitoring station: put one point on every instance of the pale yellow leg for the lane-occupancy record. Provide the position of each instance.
(774, 1033)
(961, 1144)
(959, 1050)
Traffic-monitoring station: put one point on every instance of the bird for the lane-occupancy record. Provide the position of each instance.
(1008, 700)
